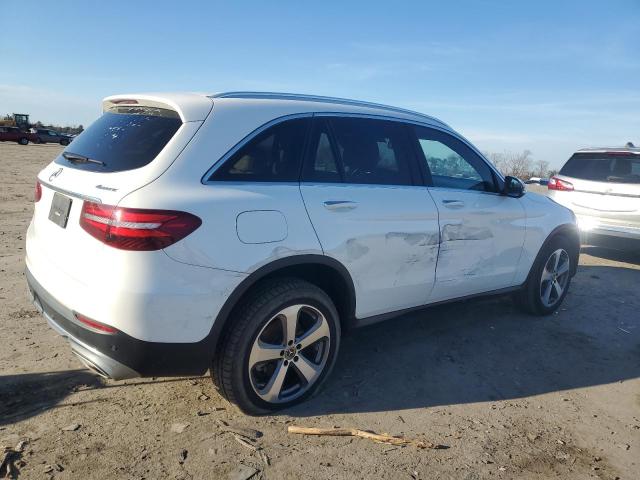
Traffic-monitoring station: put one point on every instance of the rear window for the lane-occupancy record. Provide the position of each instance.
(123, 138)
(603, 167)
(274, 155)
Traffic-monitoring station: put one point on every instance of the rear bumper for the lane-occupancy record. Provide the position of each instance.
(119, 356)
(57, 315)
(593, 225)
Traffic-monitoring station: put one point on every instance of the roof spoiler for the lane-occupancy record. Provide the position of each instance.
(191, 107)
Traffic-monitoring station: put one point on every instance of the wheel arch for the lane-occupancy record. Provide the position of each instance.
(569, 230)
(320, 270)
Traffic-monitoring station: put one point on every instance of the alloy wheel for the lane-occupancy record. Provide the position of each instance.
(289, 354)
(555, 276)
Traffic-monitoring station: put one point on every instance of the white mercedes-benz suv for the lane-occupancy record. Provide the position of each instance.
(243, 232)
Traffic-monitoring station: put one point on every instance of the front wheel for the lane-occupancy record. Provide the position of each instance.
(281, 346)
(23, 141)
(549, 278)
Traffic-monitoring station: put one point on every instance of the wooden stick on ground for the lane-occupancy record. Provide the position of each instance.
(352, 432)
(8, 457)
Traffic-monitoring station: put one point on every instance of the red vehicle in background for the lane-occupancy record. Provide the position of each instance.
(14, 134)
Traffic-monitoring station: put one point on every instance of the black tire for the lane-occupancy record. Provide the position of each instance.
(530, 298)
(230, 369)
(64, 142)
(23, 141)
(39, 141)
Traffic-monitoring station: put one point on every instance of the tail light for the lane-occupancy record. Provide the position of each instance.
(556, 183)
(135, 228)
(94, 325)
(37, 194)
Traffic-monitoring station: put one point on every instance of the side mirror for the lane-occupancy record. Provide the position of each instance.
(513, 187)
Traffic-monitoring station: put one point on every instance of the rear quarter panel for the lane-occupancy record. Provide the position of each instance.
(216, 243)
(222, 207)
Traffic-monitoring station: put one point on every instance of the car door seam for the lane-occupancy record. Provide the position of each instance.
(304, 204)
(435, 273)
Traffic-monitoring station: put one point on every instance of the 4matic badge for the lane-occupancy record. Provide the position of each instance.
(55, 174)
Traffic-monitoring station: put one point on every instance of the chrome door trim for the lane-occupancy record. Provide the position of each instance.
(204, 180)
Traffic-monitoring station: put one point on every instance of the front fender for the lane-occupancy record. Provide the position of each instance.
(544, 219)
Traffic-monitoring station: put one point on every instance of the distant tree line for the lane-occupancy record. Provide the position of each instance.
(516, 164)
(520, 164)
(451, 166)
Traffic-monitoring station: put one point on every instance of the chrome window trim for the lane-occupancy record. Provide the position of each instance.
(314, 183)
(462, 190)
(204, 180)
(221, 161)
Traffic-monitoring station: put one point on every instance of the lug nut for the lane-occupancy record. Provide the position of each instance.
(286, 362)
(282, 353)
(295, 359)
(290, 342)
(299, 346)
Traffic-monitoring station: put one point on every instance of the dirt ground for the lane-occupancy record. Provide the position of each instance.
(511, 396)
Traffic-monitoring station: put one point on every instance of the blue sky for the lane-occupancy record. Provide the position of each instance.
(548, 76)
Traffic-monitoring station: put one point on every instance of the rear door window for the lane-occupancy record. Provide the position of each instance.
(372, 151)
(274, 155)
(603, 167)
(123, 138)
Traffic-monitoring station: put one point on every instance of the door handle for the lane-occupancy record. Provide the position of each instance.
(453, 203)
(339, 205)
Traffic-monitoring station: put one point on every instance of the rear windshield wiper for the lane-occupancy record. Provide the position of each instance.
(77, 158)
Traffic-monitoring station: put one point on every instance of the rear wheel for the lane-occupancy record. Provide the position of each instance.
(23, 141)
(64, 142)
(280, 348)
(549, 278)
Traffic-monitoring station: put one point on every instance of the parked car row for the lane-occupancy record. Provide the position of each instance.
(14, 134)
(51, 136)
(34, 135)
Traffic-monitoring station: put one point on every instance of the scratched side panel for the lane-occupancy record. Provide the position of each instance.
(387, 237)
(482, 239)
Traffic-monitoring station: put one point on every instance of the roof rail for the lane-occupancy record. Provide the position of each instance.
(610, 149)
(322, 99)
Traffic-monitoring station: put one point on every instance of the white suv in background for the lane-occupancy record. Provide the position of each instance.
(243, 232)
(602, 187)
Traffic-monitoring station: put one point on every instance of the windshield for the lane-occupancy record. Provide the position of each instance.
(604, 167)
(122, 139)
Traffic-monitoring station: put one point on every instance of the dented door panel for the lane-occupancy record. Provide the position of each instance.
(386, 236)
(482, 235)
